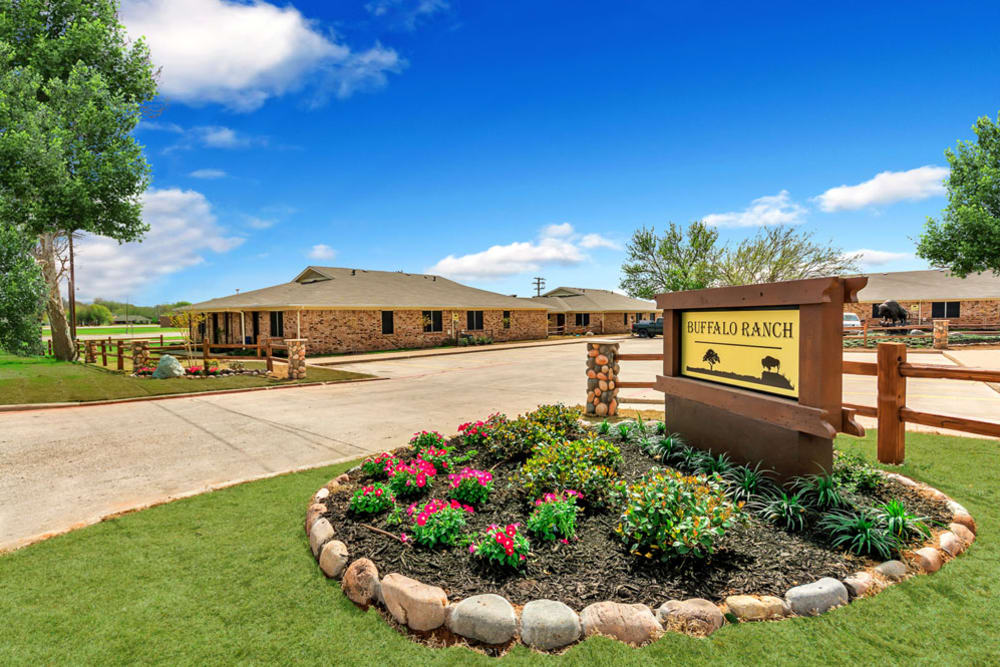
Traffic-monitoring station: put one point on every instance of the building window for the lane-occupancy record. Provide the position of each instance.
(506, 319)
(583, 319)
(433, 321)
(387, 324)
(474, 320)
(626, 319)
(277, 324)
(949, 309)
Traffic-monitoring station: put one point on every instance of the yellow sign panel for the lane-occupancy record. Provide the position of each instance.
(754, 349)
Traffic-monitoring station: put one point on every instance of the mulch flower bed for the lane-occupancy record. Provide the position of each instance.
(753, 556)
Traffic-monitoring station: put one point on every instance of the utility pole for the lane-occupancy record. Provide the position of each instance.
(539, 284)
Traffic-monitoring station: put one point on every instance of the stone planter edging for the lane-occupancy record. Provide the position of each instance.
(549, 625)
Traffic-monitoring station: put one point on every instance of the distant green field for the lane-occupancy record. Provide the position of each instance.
(116, 331)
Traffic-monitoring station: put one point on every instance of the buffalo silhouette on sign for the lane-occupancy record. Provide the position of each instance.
(771, 375)
(770, 362)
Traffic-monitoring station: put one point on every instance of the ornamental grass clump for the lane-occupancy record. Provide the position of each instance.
(554, 516)
(821, 492)
(901, 523)
(668, 515)
(378, 466)
(784, 509)
(471, 486)
(746, 483)
(589, 466)
(438, 522)
(372, 499)
(504, 546)
(411, 478)
(861, 532)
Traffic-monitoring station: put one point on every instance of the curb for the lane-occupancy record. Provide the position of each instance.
(417, 354)
(26, 407)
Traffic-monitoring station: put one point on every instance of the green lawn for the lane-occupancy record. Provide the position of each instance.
(227, 577)
(45, 380)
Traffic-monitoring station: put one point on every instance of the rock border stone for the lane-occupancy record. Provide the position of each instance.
(550, 625)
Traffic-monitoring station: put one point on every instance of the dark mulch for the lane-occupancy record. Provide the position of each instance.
(754, 558)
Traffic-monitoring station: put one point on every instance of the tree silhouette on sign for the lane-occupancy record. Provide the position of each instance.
(711, 358)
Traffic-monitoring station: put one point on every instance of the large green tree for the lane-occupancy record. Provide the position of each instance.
(22, 293)
(967, 237)
(776, 254)
(72, 89)
(672, 262)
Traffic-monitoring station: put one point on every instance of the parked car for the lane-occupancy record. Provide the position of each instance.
(647, 328)
(852, 321)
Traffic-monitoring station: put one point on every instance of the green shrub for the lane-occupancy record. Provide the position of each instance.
(554, 516)
(514, 440)
(667, 514)
(783, 508)
(372, 499)
(378, 466)
(411, 478)
(471, 487)
(557, 419)
(421, 440)
(604, 428)
(856, 474)
(861, 532)
(665, 448)
(589, 466)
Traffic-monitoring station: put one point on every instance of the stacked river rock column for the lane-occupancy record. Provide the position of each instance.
(296, 358)
(140, 354)
(90, 351)
(602, 378)
(940, 334)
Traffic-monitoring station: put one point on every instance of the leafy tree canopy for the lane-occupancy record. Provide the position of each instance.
(671, 262)
(22, 293)
(967, 237)
(776, 254)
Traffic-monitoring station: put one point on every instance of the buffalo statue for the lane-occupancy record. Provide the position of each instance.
(770, 362)
(890, 311)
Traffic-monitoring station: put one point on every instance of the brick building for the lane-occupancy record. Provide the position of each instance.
(931, 295)
(353, 310)
(579, 310)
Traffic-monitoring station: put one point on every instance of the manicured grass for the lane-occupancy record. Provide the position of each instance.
(228, 577)
(45, 380)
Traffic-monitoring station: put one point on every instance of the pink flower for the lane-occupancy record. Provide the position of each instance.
(472, 548)
(403, 537)
(421, 520)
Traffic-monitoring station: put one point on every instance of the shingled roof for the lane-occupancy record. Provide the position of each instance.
(932, 285)
(325, 287)
(586, 300)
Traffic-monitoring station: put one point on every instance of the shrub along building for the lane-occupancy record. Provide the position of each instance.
(353, 310)
(931, 295)
(579, 310)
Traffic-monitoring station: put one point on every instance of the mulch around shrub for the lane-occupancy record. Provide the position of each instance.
(755, 557)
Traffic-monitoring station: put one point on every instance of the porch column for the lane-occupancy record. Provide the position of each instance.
(243, 329)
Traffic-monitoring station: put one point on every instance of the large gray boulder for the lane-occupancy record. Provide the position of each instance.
(487, 618)
(168, 367)
(548, 624)
(817, 597)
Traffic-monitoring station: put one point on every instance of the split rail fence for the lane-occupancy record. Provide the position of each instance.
(118, 350)
(867, 332)
(891, 371)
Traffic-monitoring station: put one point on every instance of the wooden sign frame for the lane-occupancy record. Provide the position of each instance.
(793, 436)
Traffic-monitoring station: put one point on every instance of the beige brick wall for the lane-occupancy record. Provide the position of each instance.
(331, 331)
(970, 311)
(600, 323)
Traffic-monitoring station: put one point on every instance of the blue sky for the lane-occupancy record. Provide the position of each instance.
(494, 142)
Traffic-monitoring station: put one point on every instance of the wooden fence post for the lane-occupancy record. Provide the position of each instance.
(267, 351)
(104, 355)
(891, 400)
(204, 356)
(50, 347)
(121, 357)
(866, 334)
(161, 340)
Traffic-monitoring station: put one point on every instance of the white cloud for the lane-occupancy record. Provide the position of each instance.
(239, 54)
(208, 136)
(182, 227)
(886, 188)
(557, 231)
(322, 251)
(260, 223)
(869, 257)
(208, 174)
(405, 14)
(598, 241)
(776, 209)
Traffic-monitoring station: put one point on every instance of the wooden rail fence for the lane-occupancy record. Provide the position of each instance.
(118, 348)
(891, 370)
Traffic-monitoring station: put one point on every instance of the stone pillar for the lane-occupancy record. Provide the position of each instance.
(140, 354)
(296, 358)
(90, 354)
(602, 376)
(940, 334)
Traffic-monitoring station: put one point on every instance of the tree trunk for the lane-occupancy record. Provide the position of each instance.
(63, 347)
